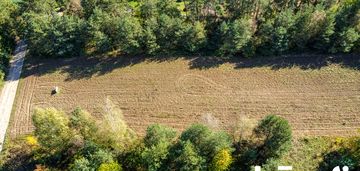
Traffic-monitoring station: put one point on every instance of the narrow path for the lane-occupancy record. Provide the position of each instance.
(8, 93)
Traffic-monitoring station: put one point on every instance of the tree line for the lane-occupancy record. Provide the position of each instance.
(59, 28)
(8, 13)
(78, 141)
(223, 28)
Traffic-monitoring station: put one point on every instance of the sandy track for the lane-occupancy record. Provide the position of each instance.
(9, 90)
(323, 101)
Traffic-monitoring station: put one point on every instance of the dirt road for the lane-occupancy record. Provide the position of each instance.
(9, 90)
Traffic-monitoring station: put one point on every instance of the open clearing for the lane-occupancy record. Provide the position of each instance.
(318, 95)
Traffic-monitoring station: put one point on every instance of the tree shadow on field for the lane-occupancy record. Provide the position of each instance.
(77, 68)
(86, 67)
(278, 62)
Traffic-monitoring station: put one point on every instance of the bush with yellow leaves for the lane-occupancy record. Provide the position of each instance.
(222, 160)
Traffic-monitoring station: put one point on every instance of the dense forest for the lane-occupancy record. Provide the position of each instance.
(63, 28)
(7, 34)
(223, 28)
(80, 142)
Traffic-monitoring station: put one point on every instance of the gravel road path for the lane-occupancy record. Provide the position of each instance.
(8, 93)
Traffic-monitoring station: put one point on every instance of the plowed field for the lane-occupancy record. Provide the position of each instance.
(318, 95)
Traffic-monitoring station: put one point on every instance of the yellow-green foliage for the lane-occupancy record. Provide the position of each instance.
(112, 166)
(222, 160)
(52, 128)
(351, 145)
(31, 140)
(114, 127)
(354, 146)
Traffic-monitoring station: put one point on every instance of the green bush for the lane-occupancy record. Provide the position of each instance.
(129, 32)
(81, 164)
(206, 142)
(194, 37)
(282, 33)
(276, 134)
(4, 63)
(335, 158)
(112, 166)
(306, 26)
(187, 158)
(271, 165)
(346, 40)
(92, 156)
(52, 129)
(236, 36)
(323, 41)
(158, 141)
(346, 26)
(196, 134)
(55, 36)
(108, 32)
(169, 31)
(155, 134)
(82, 122)
(149, 41)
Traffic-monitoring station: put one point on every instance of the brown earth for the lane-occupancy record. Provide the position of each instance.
(319, 95)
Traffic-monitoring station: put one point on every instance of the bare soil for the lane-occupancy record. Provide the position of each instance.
(319, 95)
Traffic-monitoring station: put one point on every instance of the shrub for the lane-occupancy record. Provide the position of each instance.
(112, 166)
(149, 41)
(83, 122)
(31, 140)
(187, 157)
(158, 141)
(335, 158)
(155, 134)
(92, 156)
(323, 40)
(109, 32)
(271, 165)
(4, 62)
(196, 134)
(346, 40)
(194, 37)
(206, 143)
(114, 7)
(236, 36)
(306, 26)
(81, 164)
(222, 160)
(281, 35)
(113, 130)
(132, 159)
(52, 129)
(346, 26)
(276, 134)
(129, 31)
(55, 36)
(168, 33)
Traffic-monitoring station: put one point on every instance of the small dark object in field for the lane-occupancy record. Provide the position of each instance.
(55, 90)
